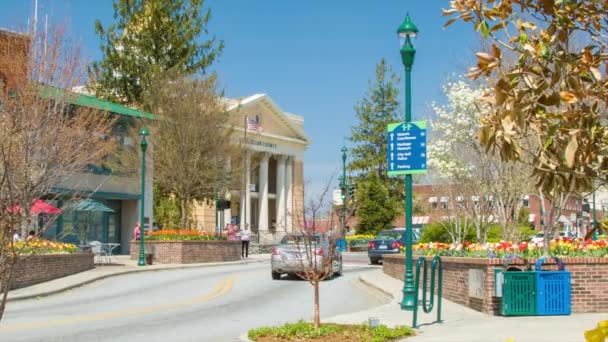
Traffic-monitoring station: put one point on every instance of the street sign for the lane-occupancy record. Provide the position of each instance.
(406, 148)
(337, 197)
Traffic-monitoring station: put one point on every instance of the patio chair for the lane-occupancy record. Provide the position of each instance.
(101, 255)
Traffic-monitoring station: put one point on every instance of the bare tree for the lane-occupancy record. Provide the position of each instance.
(46, 140)
(194, 152)
(316, 245)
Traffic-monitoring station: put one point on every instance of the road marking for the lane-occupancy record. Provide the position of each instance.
(220, 290)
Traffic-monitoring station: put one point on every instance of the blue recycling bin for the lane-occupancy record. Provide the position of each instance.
(553, 291)
(341, 243)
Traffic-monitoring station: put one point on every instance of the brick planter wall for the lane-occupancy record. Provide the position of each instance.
(589, 277)
(189, 252)
(34, 269)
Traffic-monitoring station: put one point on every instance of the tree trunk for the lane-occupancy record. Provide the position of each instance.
(6, 285)
(183, 208)
(317, 320)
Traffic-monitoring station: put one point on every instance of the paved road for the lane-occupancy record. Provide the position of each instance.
(202, 304)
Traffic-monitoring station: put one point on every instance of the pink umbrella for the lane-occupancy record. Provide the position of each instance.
(38, 207)
(41, 207)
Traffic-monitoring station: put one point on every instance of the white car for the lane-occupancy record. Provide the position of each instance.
(540, 237)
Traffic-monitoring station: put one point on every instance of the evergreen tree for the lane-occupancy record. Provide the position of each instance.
(150, 38)
(378, 108)
(377, 210)
(374, 112)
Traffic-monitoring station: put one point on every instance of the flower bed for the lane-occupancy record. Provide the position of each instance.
(471, 281)
(183, 235)
(183, 246)
(504, 249)
(42, 246)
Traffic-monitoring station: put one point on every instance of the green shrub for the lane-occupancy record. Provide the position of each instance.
(494, 233)
(301, 330)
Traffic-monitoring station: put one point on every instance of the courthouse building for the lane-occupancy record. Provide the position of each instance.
(271, 194)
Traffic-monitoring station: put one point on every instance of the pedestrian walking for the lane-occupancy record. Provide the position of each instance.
(245, 237)
(137, 231)
(231, 232)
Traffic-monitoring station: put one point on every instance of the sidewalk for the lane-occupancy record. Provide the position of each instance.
(461, 324)
(121, 264)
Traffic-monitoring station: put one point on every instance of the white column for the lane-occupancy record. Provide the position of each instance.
(281, 193)
(289, 195)
(263, 194)
(246, 193)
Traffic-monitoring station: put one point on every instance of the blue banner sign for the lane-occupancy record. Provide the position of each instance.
(406, 148)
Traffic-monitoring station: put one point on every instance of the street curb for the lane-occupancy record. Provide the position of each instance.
(376, 287)
(243, 338)
(105, 276)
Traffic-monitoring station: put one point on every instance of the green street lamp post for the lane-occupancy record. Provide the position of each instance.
(343, 188)
(594, 219)
(407, 31)
(144, 145)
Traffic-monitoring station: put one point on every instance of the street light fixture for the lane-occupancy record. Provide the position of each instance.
(407, 31)
(144, 145)
(343, 189)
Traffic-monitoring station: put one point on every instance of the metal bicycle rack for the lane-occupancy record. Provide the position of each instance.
(427, 305)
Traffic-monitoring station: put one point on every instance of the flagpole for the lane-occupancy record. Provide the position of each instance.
(245, 178)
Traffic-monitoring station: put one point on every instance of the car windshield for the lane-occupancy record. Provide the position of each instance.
(389, 235)
(299, 239)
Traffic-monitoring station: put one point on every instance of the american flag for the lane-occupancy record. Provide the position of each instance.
(253, 125)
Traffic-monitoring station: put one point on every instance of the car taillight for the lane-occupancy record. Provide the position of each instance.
(371, 244)
(275, 251)
(396, 245)
(319, 251)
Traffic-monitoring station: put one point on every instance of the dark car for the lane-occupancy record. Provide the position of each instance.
(386, 242)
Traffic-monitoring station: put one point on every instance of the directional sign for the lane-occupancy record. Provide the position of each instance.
(406, 148)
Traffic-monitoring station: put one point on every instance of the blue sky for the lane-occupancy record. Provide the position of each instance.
(314, 58)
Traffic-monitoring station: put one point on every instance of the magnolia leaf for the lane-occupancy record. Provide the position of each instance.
(568, 97)
(485, 30)
(596, 73)
(447, 13)
(508, 125)
(482, 56)
(528, 25)
(449, 22)
(496, 52)
(571, 151)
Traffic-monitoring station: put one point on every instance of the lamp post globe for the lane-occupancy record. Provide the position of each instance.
(144, 146)
(406, 32)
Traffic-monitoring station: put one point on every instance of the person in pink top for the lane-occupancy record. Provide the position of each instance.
(137, 231)
(231, 232)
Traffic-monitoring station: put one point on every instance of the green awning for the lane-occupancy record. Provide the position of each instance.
(92, 205)
(92, 102)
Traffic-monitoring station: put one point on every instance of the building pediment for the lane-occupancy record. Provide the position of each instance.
(275, 123)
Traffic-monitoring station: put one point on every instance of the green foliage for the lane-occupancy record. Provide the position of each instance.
(378, 108)
(377, 209)
(526, 232)
(166, 209)
(434, 232)
(494, 233)
(150, 38)
(437, 232)
(301, 330)
(374, 112)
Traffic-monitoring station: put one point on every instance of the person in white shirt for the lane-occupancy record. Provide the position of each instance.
(16, 236)
(245, 237)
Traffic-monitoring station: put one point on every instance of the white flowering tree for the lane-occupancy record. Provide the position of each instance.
(491, 189)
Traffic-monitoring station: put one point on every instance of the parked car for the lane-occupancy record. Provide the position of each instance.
(290, 255)
(540, 237)
(386, 242)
